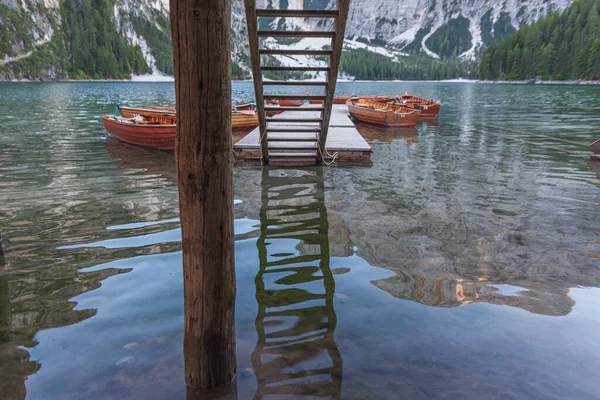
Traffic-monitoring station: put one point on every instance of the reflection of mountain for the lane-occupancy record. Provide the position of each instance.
(454, 237)
(379, 134)
(296, 353)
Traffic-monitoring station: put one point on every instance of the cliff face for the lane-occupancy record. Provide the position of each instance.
(36, 40)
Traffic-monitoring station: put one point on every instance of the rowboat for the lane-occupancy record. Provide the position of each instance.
(343, 99)
(240, 119)
(291, 103)
(243, 119)
(157, 132)
(383, 113)
(131, 112)
(428, 108)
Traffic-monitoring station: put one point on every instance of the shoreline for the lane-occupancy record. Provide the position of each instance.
(527, 82)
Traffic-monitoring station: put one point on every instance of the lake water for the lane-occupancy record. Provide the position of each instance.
(464, 262)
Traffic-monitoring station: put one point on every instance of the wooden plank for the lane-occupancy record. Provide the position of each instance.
(296, 52)
(293, 130)
(297, 13)
(202, 61)
(299, 120)
(334, 63)
(301, 34)
(252, 22)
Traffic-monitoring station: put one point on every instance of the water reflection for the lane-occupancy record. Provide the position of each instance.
(386, 135)
(296, 352)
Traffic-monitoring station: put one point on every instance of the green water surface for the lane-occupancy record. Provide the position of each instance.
(464, 262)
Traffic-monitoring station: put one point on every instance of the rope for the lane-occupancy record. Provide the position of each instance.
(333, 156)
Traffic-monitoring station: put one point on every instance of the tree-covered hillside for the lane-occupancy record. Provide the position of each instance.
(559, 46)
(365, 65)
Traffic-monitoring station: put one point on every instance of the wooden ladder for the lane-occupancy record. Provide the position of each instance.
(286, 140)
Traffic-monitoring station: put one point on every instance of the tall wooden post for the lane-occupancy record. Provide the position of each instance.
(201, 33)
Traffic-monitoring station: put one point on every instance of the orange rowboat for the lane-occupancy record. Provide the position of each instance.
(240, 119)
(344, 99)
(157, 132)
(383, 114)
(428, 108)
(243, 119)
(291, 103)
(131, 112)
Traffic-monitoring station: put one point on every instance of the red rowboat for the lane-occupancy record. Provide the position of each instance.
(382, 113)
(157, 132)
(428, 108)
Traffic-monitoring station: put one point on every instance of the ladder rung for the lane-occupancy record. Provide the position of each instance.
(297, 52)
(279, 108)
(293, 154)
(276, 68)
(297, 120)
(292, 130)
(293, 83)
(292, 147)
(312, 34)
(297, 13)
(288, 139)
(293, 97)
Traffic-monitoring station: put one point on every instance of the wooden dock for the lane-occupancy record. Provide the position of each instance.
(343, 138)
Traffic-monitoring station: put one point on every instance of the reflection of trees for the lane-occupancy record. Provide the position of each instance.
(296, 352)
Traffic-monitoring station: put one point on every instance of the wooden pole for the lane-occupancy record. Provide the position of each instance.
(201, 33)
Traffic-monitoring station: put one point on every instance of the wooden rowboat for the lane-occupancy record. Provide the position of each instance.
(243, 119)
(291, 103)
(131, 112)
(428, 108)
(157, 132)
(343, 99)
(382, 113)
(240, 119)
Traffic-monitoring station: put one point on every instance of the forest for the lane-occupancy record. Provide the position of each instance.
(365, 65)
(560, 46)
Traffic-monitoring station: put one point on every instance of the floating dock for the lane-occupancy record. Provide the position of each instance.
(343, 138)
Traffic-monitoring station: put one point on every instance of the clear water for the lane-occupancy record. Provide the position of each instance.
(463, 263)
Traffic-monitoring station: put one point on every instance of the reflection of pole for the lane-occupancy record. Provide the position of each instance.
(296, 352)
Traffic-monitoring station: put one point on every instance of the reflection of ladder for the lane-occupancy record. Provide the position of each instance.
(296, 352)
(295, 140)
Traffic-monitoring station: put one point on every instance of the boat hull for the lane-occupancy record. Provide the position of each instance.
(159, 136)
(244, 120)
(291, 103)
(383, 117)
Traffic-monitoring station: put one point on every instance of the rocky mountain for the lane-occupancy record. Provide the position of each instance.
(114, 38)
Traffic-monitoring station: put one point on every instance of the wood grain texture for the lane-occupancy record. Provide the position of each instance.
(252, 23)
(201, 33)
(343, 7)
